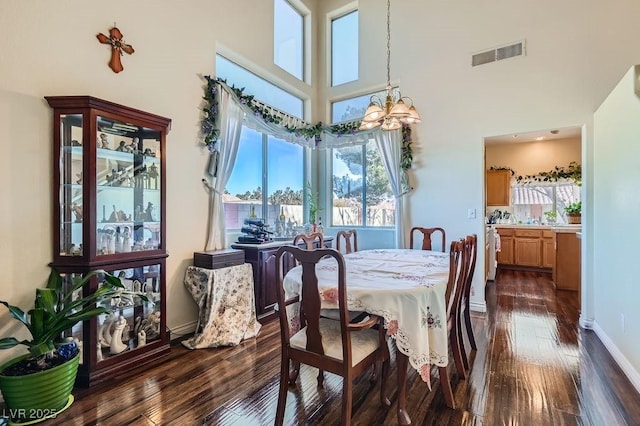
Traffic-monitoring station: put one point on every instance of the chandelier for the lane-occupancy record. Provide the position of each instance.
(391, 113)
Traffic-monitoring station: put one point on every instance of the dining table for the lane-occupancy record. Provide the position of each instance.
(405, 287)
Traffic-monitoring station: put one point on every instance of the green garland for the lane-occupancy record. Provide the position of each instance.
(210, 131)
(571, 172)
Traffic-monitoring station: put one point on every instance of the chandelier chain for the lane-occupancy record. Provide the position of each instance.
(388, 44)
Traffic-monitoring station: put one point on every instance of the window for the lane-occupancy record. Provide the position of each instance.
(361, 192)
(288, 36)
(268, 176)
(344, 49)
(531, 203)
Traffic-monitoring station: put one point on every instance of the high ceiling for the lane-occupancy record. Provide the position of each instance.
(540, 135)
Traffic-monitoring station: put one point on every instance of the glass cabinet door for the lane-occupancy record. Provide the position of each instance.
(128, 192)
(135, 314)
(70, 185)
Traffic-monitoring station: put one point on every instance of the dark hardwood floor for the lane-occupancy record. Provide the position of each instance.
(534, 366)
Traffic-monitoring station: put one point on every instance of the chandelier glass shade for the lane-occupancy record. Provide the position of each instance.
(391, 113)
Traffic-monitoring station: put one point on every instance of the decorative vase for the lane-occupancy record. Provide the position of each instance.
(574, 218)
(38, 396)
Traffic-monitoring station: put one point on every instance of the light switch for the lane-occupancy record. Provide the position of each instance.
(471, 214)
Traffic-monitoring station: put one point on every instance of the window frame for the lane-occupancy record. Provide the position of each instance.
(269, 84)
(305, 42)
(331, 19)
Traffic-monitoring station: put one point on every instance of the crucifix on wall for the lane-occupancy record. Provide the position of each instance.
(118, 46)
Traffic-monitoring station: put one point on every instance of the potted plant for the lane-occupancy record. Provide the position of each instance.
(551, 216)
(38, 385)
(314, 208)
(574, 212)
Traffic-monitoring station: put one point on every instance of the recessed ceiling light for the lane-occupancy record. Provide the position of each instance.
(539, 138)
(554, 132)
(514, 136)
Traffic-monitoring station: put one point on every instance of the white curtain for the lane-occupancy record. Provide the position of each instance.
(221, 164)
(389, 145)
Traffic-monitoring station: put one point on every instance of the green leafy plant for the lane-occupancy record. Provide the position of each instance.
(312, 200)
(574, 208)
(56, 310)
(551, 215)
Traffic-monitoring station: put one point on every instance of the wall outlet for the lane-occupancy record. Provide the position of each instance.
(471, 213)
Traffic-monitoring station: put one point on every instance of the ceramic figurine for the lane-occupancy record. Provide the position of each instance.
(116, 338)
(104, 332)
(142, 338)
(99, 356)
(118, 240)
(126, 333)
(126, 240)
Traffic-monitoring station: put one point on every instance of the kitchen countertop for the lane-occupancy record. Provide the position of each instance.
(554, 228)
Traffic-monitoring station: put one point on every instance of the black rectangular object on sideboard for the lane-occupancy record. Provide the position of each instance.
(215, 259)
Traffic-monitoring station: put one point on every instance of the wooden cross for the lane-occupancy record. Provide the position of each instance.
(117, 47)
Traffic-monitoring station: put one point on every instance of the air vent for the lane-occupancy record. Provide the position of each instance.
(498, 54)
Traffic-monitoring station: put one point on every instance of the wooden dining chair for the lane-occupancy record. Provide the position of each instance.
(455, 283)
(427, 233)
(339, 347)
(465, 312)
(309, 240)
(347, 236)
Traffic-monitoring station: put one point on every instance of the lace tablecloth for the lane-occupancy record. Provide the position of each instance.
(405, 287)
(226, 301)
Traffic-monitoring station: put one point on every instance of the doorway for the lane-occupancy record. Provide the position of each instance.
(543, 170)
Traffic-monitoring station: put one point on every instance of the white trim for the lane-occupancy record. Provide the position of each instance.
(586, 323)
(183, 330)
(478, 306)
(632, 374)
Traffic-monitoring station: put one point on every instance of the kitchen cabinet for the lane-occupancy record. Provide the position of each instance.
(566, 274)
(548, 249)
(109, 214)
(506, 255)
(262, 259)
(528, 247)
(498, 187)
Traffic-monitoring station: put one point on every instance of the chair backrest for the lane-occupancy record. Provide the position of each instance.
(426, 237)
(472, 242)
(347, 236)
(311, 300)
(455, 283)
(309, 240)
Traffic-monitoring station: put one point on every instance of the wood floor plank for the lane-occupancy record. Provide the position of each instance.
(533, 366)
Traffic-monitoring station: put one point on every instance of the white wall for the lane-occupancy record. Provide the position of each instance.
(576, 52)
(615, 210)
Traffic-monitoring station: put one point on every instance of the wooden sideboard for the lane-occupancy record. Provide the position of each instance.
(262, 258)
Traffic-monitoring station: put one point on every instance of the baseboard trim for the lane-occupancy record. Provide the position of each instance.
(586, 323)
(478, 306)
(180, 332)
(631, 373)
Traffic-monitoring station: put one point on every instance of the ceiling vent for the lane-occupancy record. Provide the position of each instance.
(498, 54)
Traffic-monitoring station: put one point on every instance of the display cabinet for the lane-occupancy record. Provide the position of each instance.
(109, 213)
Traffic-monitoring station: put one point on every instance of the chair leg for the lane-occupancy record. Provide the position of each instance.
(384, 374)
(445, 385)
(320, 378)
(282, 392)
(347, 389)
(467, 320)
(402, 361)
(463, 351)
(454, 340)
